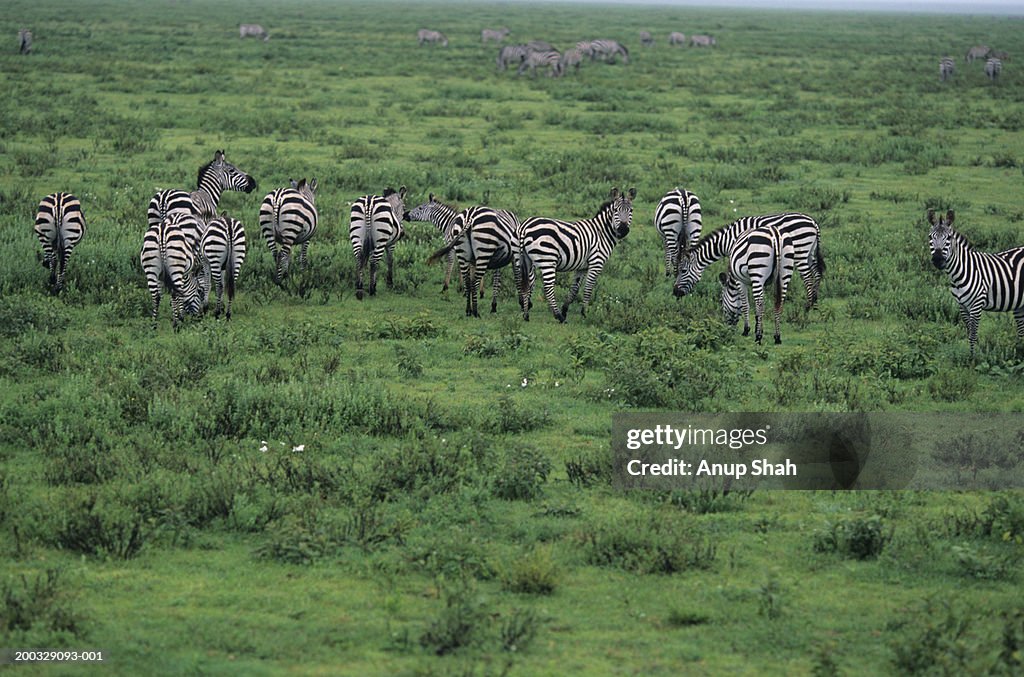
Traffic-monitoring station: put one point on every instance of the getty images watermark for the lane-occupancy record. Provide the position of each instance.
(887, 450)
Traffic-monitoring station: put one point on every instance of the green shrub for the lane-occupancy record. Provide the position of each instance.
(653, 542)
(40, 605)
(457, 625)
(854, 538)
(535, 572)
(97, 525)
(520, 474)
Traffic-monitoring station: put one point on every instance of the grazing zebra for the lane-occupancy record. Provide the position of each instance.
(571, 58)
(253, 31)
(551, 245)
(801, 229)
(443, 218)
(1000, 54)
(433, 37)
(977, 52)
(945, 68)
(494, 34)
(288, 217)
(676, 38)
(511, 54)
(607, 50)
(586, 48)
(223, 248)
(24, 41)
(677, 219)
(646, 39)
(979, 280)
(759, 258)
(169, 260)
(534, 59)
(993, 67)
(375, 225)
(702, 41)
(59, 226)
(486, 239)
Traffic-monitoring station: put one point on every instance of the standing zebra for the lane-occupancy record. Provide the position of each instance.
(223, 253)
(607, 50)
(486, 239)
(534, 59)
(801, 229)
(677, 219)
(511, 55)
(433, 37)
(702, 41)
(551, 246)
(677, 38)
(571, 58)
(945, 68)
(169, 260)
(759, 258)
(59, 226)
(24, 41)
(494, 34)
(979, 280)
(977, 52)
(993, 67)
(288, 217)
(646, 39)
(443, 218)
(375, 225)
(253, 31)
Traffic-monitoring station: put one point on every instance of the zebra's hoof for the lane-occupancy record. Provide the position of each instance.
(778, 340)
(359, 294)
(746, 332)
(560, 317)
(494, 307)
(565, 311)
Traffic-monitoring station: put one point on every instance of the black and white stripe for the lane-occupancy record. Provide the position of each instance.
(946, 67)
(676, 38)
(993, 67)
(169, 261)
(759, 259)
(646, 39)
(677, 219)
(496, 34)
(511, 55)
(572, 58)
(537, 59)
(443, 217)
(24, 41)
(550, 245)
(702, 41)
(375, 225)
(253, 31)
(978, 280)
(59, 226)
(434, 37)
(977, 52)
(288, 217)
(608, 50)
(223, 248)
(801, 229)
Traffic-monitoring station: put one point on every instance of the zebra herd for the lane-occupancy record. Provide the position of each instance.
(993, 62)
(541, 54)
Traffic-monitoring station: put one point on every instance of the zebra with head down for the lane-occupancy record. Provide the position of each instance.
(425, 35)
(253, 31)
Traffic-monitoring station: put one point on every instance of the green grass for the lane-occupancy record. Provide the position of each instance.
(442, 517)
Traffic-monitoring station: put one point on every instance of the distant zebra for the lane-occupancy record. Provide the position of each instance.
(433, 37)
(800, 228)
(535, 59)
(572, 58)
(702, 41)
(169, 261)
(676, 38)
(443, 218)
(551, 245)
(979, 280)
(253, 31)
(288, 217)
(977, 52)
(608, 50)
(993, 67)
(1001, 54)
(759, 258)
(586, 48)
(223, 248)
(494, 34)
(486, 239)
(646, 39)
(60, 225)
(677, 219)
(24, 41)
(511, 55)
(375, 225)
(946, 68)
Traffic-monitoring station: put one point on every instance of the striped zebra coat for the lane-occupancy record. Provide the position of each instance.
(978, 280)
(253, 31)
(677, 218)
(801, 229)
(676, 38)
(550, 245)
(443, 217)
(946, 67)
(169, 261)
(993, 67)
(288, 217)
(535, 59)
(511, 55)
(434, 37)
(223, 248)
(646, 39)
(59, 226)
(24, 41)
(497, 35)
(375, 225)
(977, 52)
(760, 259)
(702, 41)
(608, 50)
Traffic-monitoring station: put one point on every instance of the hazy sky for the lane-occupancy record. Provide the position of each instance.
(1013, 7)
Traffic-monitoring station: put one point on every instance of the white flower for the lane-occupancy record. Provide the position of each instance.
(557, 384)
(301, 447)
(523, 384)
(263, 448)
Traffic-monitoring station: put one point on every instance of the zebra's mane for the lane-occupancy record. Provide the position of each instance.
(605, 206)
(202, 172)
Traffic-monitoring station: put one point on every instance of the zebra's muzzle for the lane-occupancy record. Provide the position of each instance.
(250, 184)
(938, 260)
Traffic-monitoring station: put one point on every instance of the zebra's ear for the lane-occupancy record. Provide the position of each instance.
(313, 184)
(301, 185)
(218, 156)
(615, 193)
(431, 198)
(949, 217)
(632, 193)
(931, 216)
(401, 192)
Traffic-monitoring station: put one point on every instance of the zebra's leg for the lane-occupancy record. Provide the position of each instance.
(973, 318)
(527, 277)
(574, 291)
(177, 310)
(588, 291)
(778, 322)
(449, 265)
(758, 316)
(218, 280)
(284, 257)
(1018, 316)
(303, 253)
(374, 262)
(671, 260)
(547, 276)
(389, 256)
(496, 287)
(359, 278)
(154, 294)
(745, 309)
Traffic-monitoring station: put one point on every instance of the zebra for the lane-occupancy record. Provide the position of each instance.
(551, 245)
(494, 34)
(977, 52)
(759, 258)
(443, 218)
(288, 217)
(677, 219)
(607, 50)
(800, 228)
(486, 239)
(702, 41)
(59, 226)
(571, 58)
(534, 59)
(223, 247)
(511, 54)
(676, 38)
(375, 225)
(993, 67)
(978, 280)
(945, 68)
(646, 39)
(169, 260)
(434, 37)
(253, 31)
(24, 41)
(586, 48)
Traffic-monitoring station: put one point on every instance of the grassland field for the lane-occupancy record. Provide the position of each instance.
(328, 486)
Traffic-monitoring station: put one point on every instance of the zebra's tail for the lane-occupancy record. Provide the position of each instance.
(57, 262)
(819, 260)
(364, 254)
(443, 251)
(229, 271)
